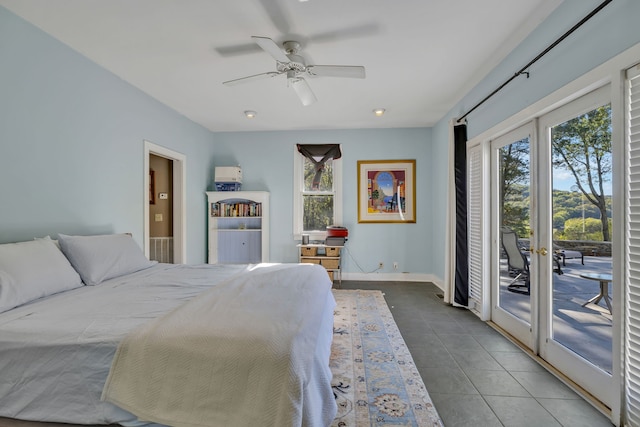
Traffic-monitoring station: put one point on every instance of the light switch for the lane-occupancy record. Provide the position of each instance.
(158, 217)
(163, 196)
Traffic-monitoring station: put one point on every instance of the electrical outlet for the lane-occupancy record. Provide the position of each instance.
(380, 265)
(395, 265)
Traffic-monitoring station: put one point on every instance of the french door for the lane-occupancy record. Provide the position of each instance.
(576, 329)
(513, 174)
(551, 187)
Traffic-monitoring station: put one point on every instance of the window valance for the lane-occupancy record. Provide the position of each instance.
(318, 154)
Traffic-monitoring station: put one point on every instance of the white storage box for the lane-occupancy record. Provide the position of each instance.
(228, 174)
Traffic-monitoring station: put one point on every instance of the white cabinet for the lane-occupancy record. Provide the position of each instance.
(238, 227)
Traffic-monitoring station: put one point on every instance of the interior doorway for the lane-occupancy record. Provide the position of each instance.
(164, 204)
(160, 209)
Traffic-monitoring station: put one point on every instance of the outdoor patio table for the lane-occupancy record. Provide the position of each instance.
(604, 280)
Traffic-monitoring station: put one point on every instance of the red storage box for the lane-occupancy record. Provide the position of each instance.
(337, 231)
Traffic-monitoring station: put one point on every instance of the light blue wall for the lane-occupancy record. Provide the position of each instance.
(266, 159)
(71, 144)
(607, 34)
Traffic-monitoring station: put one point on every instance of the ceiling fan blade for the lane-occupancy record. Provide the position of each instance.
(251, 78)
(271, 48)
(356, 31)
(352, 71)
(303, 90)
(238, 49)
(277, 15)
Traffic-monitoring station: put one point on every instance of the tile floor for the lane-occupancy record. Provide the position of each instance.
(474, 375)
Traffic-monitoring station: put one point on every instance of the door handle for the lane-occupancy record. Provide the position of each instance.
(542, 251)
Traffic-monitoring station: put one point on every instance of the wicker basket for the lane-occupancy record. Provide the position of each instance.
(308, 250)
(329, 251)
(330, 275)
(330, 263)
(310, 261)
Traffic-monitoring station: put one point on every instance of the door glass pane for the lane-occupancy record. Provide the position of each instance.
(514, 209)
(581, 283)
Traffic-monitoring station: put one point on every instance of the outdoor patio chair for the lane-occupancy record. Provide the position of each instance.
(517, 262)
(565, 254)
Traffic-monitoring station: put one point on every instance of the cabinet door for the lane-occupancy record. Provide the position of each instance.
(239, 247)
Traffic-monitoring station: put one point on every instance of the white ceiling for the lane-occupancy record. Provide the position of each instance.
(420, 56)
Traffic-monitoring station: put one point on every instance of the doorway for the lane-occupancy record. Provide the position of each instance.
(164, 204)
(551, 194)
(160, 209)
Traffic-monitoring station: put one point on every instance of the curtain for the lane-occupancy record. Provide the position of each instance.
(461, 286)
(318, 154)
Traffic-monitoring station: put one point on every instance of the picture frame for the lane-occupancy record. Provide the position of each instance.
(387, 191)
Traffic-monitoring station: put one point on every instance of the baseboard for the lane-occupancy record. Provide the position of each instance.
(394, 277)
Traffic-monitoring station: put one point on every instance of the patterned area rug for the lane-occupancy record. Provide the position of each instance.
(375, 380)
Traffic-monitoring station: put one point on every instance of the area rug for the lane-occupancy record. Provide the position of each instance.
(375, 380)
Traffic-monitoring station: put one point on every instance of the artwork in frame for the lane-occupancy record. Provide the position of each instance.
(386, 191)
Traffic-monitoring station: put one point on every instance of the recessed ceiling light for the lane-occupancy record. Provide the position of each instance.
(250, 114)
(379, 112)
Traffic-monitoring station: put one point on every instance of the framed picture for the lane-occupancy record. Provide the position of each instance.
(386, 191)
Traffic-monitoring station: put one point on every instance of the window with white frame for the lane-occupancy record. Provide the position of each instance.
(317, 198)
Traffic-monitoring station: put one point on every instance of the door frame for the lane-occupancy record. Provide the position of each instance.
(179, 162)
(580, 370)
(518, 328)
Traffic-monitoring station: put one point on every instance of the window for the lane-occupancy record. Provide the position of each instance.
(317, 191)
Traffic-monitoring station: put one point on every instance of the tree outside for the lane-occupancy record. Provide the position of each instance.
(514, 186)
(582, 146)
(577, 229)
(318, 202)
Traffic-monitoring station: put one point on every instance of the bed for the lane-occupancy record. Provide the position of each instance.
(91, 332)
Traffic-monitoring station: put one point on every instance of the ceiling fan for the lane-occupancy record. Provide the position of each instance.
(293, 65)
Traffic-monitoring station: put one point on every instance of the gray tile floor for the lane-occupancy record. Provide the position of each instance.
(474, 375)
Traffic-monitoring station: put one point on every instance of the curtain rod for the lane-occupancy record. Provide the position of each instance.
(540, 55)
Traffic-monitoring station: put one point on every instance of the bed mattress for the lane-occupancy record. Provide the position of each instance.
(56, 353)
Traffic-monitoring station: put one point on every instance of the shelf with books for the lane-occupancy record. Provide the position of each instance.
(238, 227)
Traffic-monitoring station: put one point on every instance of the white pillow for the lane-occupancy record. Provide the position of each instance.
(98, 258)
(32, 270)
(55, 242)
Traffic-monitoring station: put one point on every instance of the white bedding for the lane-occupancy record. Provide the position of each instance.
(55, 353)
(244, 353)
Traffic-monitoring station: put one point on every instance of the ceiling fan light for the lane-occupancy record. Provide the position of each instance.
(379, 112)
(249, 114)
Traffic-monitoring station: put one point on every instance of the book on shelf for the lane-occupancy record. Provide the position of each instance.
(238, 209)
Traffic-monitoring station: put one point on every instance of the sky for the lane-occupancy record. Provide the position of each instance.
(563, 180)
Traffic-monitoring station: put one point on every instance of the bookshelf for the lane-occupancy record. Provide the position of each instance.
(238, 225)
